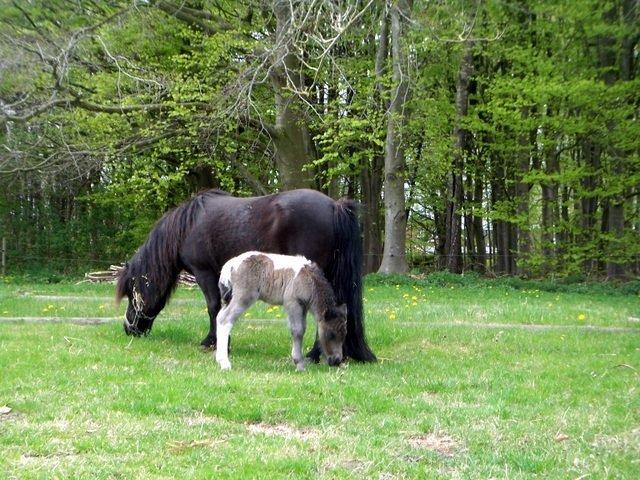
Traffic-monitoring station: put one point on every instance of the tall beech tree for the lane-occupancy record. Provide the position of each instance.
(395, 215)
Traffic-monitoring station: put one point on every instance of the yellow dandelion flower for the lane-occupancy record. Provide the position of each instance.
(414, 304)
(406, 295)
(392, 316)
(414, 298)
(582, 316)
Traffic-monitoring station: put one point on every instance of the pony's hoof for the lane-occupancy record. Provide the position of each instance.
(314, 355)
(209, 342)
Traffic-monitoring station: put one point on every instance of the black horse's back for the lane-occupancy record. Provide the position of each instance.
(303, 225)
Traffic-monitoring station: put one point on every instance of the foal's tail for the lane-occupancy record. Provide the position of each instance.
(346, 277)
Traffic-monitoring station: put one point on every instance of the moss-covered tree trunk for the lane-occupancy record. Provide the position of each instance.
(394, 258)
(291, 138)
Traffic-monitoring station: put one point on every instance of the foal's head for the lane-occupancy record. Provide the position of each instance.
(332, 330)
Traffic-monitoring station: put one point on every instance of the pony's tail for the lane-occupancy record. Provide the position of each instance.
(346, 278)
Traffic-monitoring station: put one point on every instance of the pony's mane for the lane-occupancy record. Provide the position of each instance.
(157, 260)
(211, 192)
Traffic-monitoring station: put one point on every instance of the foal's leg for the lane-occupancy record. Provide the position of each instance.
(224, 322)
(297, 324)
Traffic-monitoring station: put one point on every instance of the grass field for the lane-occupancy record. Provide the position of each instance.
(481, 381)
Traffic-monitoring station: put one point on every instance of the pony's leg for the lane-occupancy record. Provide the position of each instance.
(225, 320)
(297, 325)
(316, 351)
(208, 283)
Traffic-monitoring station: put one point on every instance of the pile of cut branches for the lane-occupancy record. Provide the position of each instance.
(111, 275)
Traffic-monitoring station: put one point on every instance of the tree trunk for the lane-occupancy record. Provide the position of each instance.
(371, 174)
(292, 141)
(550, 213)
(521, 227)
(453, 243)
(616, 267)
(589, 202)
(469, 236)
(394, 255)
(474, 226)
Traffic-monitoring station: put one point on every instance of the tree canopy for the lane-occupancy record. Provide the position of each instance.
(497, 136)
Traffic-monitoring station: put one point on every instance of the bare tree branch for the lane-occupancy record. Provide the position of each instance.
(197, 18)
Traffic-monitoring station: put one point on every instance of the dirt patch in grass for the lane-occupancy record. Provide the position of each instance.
(200, 419)
(355, 466)
(8, 417)
(48, 460)
(182, 446)
(282, 430)
(437, 442)
(628, 441)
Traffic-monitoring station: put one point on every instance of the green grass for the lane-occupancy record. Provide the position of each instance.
(448, 398)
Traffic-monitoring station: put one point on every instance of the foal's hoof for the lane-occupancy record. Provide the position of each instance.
(224, 364)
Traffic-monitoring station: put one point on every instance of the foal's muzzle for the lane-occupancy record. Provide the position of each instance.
(334, 360)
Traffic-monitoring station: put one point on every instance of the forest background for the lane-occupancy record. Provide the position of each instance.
(498, 136)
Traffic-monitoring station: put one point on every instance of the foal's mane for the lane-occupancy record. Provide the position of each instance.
(157, 260)
(323, 295)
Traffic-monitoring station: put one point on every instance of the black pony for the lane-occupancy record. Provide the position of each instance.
(200, 235)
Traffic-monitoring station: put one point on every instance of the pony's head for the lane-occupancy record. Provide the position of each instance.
(145, 301)
(332, 330)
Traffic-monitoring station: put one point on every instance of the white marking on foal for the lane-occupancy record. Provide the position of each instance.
(222, 350)
(280, 262)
